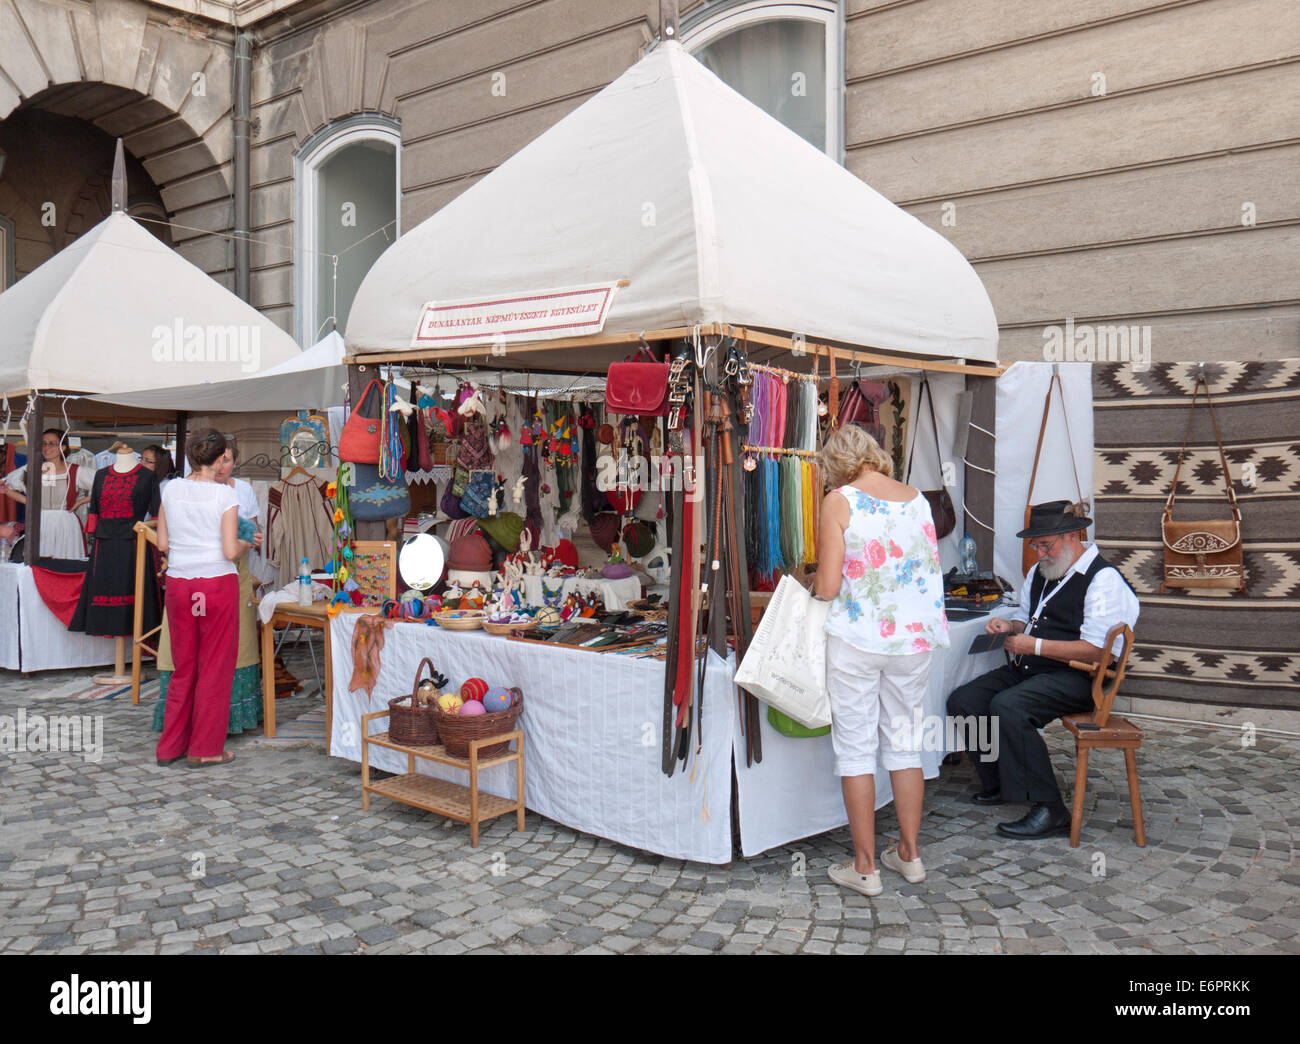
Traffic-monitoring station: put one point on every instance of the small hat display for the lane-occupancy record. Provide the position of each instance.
(470, 554)
(639, 536)
(504, 528)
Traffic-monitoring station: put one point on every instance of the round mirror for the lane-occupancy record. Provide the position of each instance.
(421, 562)
(305, 449)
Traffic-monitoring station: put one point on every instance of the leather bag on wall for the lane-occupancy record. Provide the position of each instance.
(1203, 554)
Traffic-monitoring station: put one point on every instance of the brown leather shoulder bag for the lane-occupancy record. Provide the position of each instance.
(1203, 554)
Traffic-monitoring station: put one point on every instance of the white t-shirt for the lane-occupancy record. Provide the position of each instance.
(194, 511)
(247, 499)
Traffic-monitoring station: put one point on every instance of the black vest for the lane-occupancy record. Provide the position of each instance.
(1061, 619)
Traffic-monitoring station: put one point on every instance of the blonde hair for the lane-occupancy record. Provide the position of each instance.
(849, 450)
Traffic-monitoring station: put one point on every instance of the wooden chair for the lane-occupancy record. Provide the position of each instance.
(1101, 729)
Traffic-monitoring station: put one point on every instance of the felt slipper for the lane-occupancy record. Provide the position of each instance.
(225, 759)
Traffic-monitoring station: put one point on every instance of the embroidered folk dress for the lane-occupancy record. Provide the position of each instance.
(118, 500)
(891, 595)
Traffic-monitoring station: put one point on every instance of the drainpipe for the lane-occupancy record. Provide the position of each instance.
(242, 109)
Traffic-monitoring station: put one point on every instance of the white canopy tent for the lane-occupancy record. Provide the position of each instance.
(118, 311)
(714, 212)
(314, 379)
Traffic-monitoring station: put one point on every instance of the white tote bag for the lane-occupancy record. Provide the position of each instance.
(785, 665)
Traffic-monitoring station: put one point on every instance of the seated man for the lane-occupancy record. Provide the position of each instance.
(1075, 597)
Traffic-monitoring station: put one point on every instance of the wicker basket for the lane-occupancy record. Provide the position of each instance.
(459, 730)
(460, 619)
(507, 628)
(410, 722)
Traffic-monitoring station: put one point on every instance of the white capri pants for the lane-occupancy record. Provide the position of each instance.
(871, 696)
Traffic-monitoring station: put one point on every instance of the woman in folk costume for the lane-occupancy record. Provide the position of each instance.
(246, 687)
(878, 565)
(65, 488)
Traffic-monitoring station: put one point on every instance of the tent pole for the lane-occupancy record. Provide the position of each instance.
(182, 433)
(35, 423)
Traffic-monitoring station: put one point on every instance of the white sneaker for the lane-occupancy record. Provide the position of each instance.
(846, 874)
(912, 869)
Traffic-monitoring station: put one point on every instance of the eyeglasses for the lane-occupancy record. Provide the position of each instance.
(1043, 548)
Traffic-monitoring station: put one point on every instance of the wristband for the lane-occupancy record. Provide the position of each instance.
(1038, 647)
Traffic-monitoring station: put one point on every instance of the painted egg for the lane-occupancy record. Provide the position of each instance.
(450, 702)
(470, 707)
(496, 700)
(473, 689)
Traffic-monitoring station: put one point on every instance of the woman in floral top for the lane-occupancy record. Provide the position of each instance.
(878, 565)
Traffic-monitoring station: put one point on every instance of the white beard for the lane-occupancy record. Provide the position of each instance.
(1053, 570)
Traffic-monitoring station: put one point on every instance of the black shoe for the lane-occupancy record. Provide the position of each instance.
(986, 797)
(1041, 821)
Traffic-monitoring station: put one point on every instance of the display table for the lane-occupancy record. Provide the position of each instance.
(298, 616)
(32, 638)
(593, 723)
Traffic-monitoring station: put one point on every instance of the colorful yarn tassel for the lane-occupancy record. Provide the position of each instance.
(807, 511)
(791, 512)
(392, 462)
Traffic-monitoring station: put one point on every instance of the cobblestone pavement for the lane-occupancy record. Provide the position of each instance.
(275, 855)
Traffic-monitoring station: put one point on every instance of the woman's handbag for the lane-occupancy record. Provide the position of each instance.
(1203, 554)
(459, 480)
(1028, 556)
(785, 665)
(374, 498)
(941, 509)
(359, 440)
(477, 498)
(636, 387)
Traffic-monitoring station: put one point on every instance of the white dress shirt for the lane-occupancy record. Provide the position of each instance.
(1109, 601)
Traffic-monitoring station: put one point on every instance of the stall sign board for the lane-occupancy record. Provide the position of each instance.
(574, 311)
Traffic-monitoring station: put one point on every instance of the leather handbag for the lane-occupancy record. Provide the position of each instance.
(941, 509)
(1028, 556)
(374, 498)
(359, 440)
(637, 387)
(1203, 554)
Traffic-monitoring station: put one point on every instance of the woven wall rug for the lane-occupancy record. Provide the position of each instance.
(1223, 647)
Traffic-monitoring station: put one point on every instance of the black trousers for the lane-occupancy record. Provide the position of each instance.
(1019, 705)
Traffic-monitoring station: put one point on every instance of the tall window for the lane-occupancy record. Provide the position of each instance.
(349, 188)
(785, 58)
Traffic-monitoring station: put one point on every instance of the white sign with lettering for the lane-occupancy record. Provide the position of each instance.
(574, 311)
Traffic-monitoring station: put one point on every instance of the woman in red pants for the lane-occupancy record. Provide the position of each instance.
(198, 531)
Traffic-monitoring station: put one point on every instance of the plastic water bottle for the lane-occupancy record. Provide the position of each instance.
(304, 583)
(968, 551)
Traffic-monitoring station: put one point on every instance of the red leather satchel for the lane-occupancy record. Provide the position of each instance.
(639, 388)
(359, 442)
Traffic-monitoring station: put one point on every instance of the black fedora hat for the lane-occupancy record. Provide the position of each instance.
(1051, 519)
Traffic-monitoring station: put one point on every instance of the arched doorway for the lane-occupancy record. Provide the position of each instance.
(55, 182)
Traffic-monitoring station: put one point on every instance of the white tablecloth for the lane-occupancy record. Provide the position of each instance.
(614, 593)
(794, 792)
(9, 615)
(33, 638)
(592, 725)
